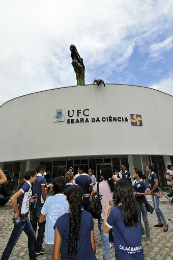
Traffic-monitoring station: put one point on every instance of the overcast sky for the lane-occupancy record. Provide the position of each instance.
(120, 41)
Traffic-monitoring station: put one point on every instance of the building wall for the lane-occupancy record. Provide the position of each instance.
(28, 132)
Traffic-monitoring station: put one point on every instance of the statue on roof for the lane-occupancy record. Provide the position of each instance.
(77, 63)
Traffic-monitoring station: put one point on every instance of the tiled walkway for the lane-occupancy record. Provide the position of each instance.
(161, 247)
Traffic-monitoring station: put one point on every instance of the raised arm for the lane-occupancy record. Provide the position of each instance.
(3, 178)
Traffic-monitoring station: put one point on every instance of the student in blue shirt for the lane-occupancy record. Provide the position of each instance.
(53, 208)
(124, 218)
(141, 189)
(154, 188)
(21, 204)
(74, 230)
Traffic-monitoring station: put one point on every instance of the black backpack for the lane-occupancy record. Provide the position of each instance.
(95, 207)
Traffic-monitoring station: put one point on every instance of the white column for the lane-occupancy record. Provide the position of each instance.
(130, 162)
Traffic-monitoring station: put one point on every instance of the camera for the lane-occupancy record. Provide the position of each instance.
(111, 203)
(35, 196)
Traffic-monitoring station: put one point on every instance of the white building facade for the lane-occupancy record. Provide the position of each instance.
(91, 125)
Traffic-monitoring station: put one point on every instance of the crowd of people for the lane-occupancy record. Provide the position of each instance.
(66, 223)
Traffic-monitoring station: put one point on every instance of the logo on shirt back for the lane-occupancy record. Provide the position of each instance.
(56, 211)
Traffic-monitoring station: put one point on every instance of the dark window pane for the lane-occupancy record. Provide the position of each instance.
(56, 163)
(84, 161)
(99, 160)
(62, 163)
(107, 160)
(76, 162)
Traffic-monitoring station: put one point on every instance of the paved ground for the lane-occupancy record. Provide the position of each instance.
(161, 247)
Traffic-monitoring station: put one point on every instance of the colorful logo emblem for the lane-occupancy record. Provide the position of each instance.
(136, 119)
(59, 115)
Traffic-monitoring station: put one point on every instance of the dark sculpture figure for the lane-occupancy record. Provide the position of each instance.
(77, 63)
(99, 82)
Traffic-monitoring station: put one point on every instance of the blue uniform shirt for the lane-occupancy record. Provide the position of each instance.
(36, 188)
(152, 179)
(126, 175)
(84, 181)
(23, 201)
(84, 248)
(140, 187)
(127, 240)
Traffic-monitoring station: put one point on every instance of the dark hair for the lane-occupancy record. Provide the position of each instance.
(107, 175)
(61, 172)
(129, 210)
(28, 174)
(74, 197)
(41, 167)
(68, 176)
(169, 167)
(116, 170)
(101, 167)
(135, 169)
(59, 185)
(172, 178)
(150, 167)
(91, 169)
(82, 168)
(140, 174)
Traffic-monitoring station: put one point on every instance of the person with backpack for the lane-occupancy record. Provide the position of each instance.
(154, 188)
(21, 204)
(74, 230)
(106, 189)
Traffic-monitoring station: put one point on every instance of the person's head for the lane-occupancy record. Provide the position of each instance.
(139, 174)
(41, 169)
(59, 185)
(169, 167)
(69, 177)
(30, 175)
(82, 169)
(70, 169)
(90, 172)
(101, 169)
(124, 195)
(134, 170)
(74, 197)
(149, 168)
(107, 175)
(116, 172)
(123, 168)
(61, 172)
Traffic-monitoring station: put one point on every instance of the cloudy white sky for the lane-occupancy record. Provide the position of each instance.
(122, 41)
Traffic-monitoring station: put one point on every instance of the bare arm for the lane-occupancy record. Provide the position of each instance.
(3, 178)
(155, 186)
(106, 229)
(14, 203)
(51, 188)
(57, 245)
(91, 195)
(43, 192)
(42, 218)
(148, 192)
(115, 178)
(92, 241)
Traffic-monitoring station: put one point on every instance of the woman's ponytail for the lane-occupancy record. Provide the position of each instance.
(28, 174)
(74, 197)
